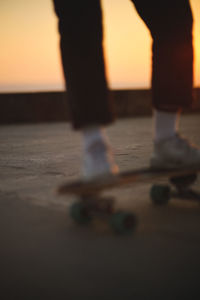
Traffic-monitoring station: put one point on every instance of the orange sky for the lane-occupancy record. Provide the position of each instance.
(29, 55)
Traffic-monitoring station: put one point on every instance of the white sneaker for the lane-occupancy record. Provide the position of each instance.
(98, 162)
(175, 152)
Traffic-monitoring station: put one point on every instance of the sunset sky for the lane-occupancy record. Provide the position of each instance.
(30, 58)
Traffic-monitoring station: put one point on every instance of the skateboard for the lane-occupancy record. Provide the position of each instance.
(91, 203)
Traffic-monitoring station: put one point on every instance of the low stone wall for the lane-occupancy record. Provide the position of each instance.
(52, 106)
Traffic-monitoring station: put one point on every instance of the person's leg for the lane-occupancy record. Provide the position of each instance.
(81, 34)
(80, 27)
(170, 25)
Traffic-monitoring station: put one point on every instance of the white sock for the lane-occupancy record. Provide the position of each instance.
(166, 124)
(93, 134)
(97, 157)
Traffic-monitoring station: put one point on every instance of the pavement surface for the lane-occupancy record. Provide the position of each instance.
(44, 255)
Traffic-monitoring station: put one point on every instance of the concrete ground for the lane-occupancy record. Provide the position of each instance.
(43, 255)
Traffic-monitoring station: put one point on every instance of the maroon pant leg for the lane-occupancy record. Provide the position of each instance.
(170, 24)
(80, 27)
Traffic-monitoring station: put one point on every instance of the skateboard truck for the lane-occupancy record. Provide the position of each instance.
(161, 194)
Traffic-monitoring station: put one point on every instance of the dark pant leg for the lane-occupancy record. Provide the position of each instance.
(170, 24)
(80, 27)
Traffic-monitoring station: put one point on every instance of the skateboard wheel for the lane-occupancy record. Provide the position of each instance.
(123, 223)
(160, 194)
(79, 213)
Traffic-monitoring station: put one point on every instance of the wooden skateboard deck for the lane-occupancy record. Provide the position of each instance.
(81, 187)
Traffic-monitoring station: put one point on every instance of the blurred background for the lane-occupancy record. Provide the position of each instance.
(30, 58)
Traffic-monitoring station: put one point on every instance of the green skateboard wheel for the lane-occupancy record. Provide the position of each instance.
(123, 222)
(79, 213)
(160, 194)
